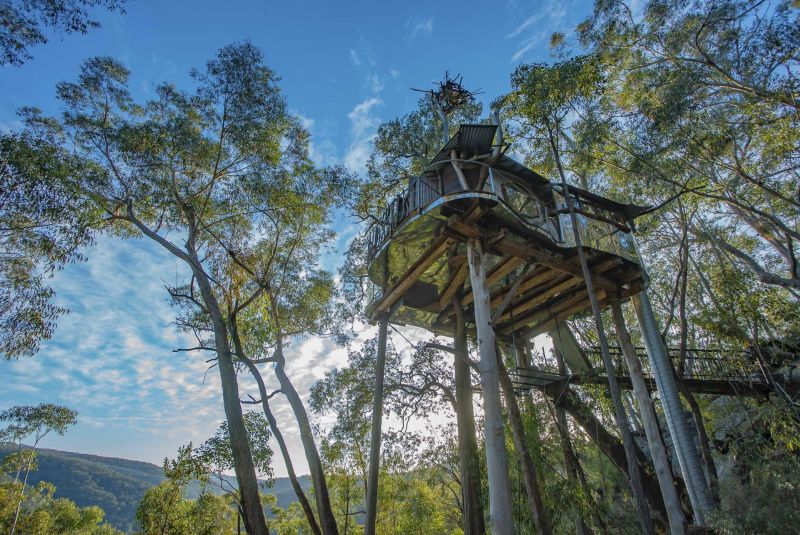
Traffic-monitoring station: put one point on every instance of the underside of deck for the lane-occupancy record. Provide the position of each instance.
(534, 282)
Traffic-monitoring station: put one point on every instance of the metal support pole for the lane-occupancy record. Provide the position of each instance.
(377, 420)
(682, 437)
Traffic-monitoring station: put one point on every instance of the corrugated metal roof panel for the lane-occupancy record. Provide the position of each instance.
(471, 137)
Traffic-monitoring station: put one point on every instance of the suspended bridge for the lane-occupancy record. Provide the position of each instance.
(701, 371)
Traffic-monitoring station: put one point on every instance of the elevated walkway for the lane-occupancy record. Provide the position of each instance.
(704, 371)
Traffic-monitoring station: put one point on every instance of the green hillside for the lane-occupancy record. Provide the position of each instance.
(115, 484)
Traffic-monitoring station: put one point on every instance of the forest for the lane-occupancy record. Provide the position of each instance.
(497, 381)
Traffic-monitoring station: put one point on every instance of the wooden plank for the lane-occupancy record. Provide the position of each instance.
(436, 250)
(549, 323)
(540, 298)
(571, 305)
(516, 247)
(509, 295)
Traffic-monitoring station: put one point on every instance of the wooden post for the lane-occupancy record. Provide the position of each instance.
(666, 482)
(500, 517)
(377, 420)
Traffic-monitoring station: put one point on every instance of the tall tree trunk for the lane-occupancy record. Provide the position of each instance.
(658, 451)
(705, 444)
(377, 420)
(254, 519)
(326, 516)
(612, 448)
(634, 473)
(465, 419)
(500, 517)
(276, 432)
(529, 473)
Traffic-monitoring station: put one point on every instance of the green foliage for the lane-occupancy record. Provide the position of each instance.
(164, 510)
(43, 226)
(764, 501)
(25, 23)
(35, 422)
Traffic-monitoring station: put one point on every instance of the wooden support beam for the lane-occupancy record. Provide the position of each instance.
(538, 299)
(509, 295)
(500, 270)
(431, 255)
(559, 311)
(455, 283)
(552, 321)
(513, 246)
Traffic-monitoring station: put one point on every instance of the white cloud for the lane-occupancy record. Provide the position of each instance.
(418, 26)
(362, 127)
(355, 59)
(394, 73)
(374, 83)
(525, 24)
(321, 149)
(535, 29)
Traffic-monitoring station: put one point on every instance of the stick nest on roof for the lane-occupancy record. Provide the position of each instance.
(451, 94)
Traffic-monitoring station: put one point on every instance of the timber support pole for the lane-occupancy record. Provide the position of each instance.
(682, 437)
(634, 471)
(500, 516)
(469, 467)
(666, 482)
(377, 421)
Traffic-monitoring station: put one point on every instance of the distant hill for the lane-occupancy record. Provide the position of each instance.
(116, 485)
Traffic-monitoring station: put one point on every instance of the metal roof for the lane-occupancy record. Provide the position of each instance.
(471, 137)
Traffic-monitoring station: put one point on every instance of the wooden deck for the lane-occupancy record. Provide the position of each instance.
(534, 282)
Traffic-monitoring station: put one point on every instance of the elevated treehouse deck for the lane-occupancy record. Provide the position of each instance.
(418, 251)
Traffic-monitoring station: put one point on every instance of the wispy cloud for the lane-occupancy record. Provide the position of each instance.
(418, 26)
(526, 24)
(321, 149)
(374, 83)
(363, 124)
(355, 58)
(533, 31)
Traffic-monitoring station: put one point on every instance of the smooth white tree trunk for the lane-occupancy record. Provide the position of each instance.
(500, 518)
(666, 482)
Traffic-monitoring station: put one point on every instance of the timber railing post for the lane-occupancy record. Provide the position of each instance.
(677, 522)
(377, 420)
(500, 518)
(682, 437)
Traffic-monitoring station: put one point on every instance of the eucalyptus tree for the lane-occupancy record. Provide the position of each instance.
(30, 423)
(43, 225)
(26, 23)
(292, 297)
(703, 96)
(200, 173)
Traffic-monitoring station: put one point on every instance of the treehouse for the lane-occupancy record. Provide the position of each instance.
(417, 252)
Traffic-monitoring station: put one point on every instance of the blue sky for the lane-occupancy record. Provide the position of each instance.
(345, 68)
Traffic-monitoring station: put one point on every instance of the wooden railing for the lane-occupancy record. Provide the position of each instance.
(417, 195)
